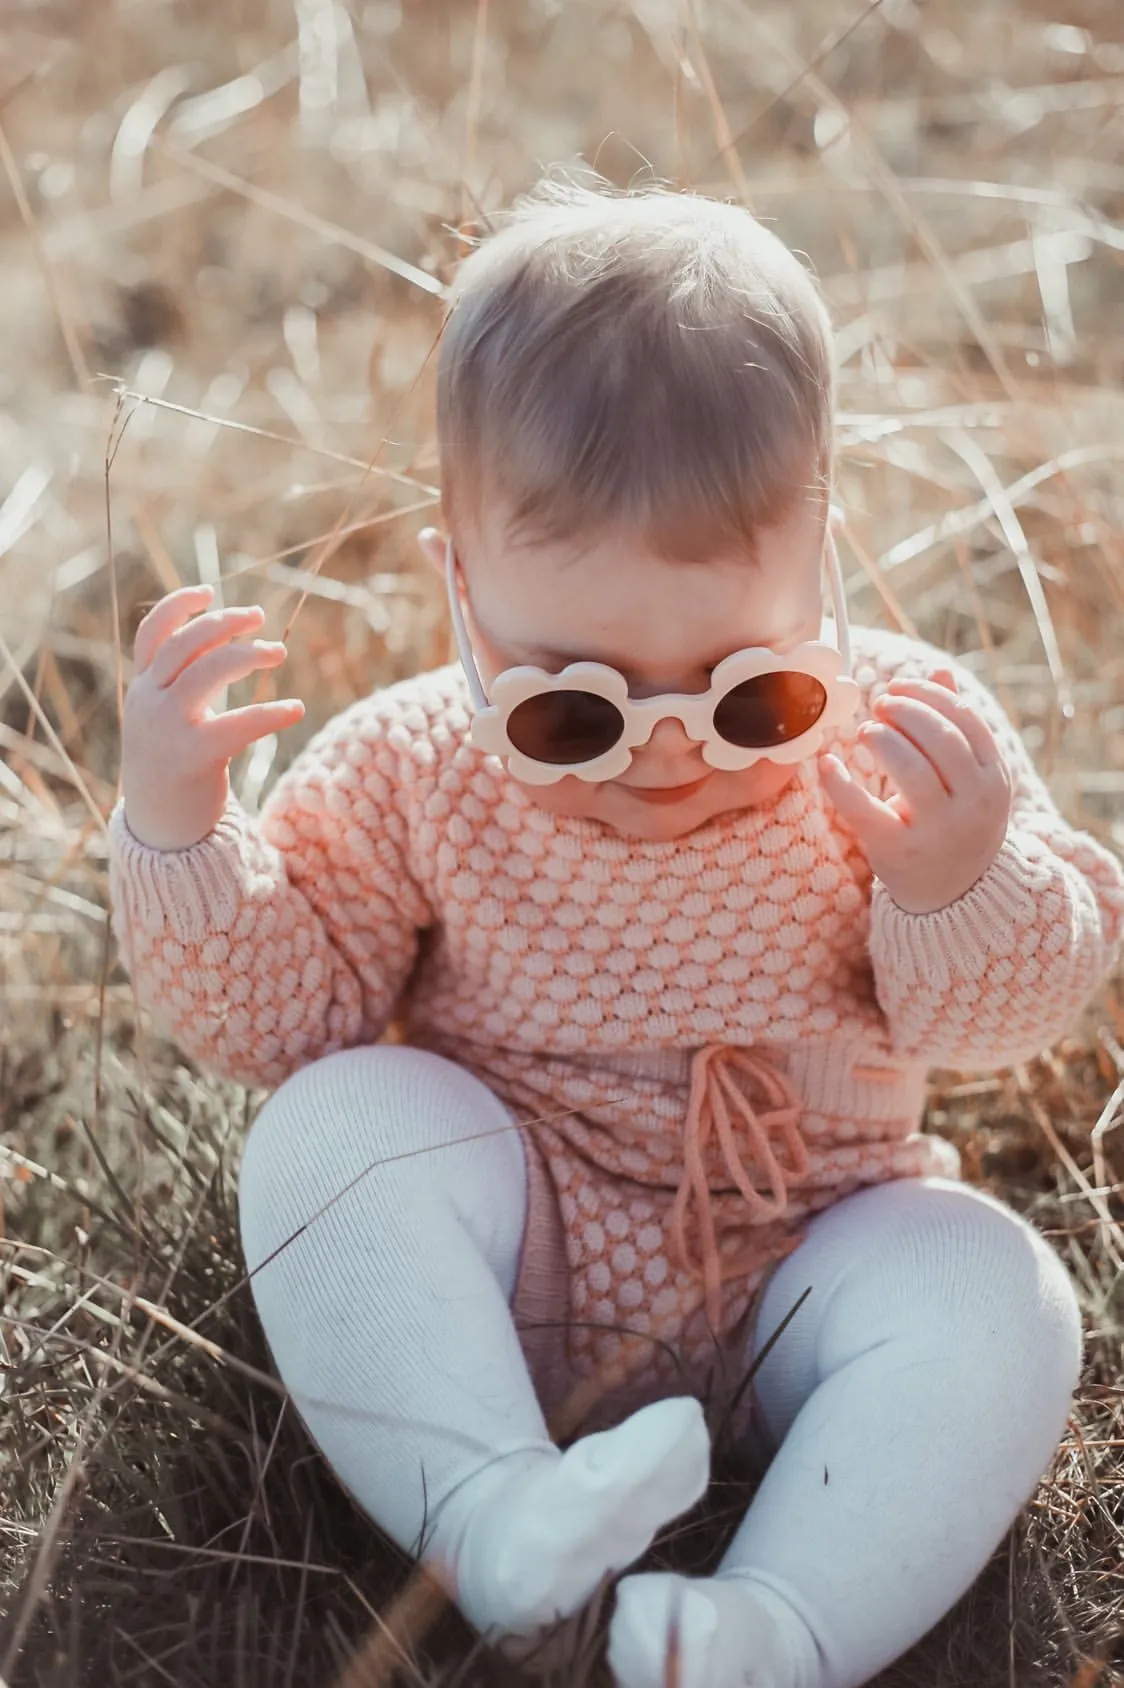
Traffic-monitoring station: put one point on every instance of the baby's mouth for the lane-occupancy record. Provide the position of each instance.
(661, 794)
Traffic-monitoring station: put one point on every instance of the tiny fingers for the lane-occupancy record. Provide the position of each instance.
(871, 820)
(195, 688)
(934, 732)
(229, 734)
(956, 709)
(164, 619)
(205, 633)
(910, 769)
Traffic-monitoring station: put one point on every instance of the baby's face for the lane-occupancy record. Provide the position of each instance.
(665, 626)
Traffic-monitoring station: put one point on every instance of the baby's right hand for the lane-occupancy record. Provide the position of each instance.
(175, 751)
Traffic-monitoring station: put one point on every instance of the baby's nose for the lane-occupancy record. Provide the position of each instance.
(669, 740)
(671, 731)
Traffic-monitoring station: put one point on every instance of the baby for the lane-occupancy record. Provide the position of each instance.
(677, 888)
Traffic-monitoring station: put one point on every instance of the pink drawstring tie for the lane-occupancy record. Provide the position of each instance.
(716, 1102)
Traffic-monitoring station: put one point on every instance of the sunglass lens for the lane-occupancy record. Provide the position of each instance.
(770, 709)
(564, 727)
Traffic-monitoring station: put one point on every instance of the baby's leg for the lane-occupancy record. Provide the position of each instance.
(385, 1249)
(917, 1397)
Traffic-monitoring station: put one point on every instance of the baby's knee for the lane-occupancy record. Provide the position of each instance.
(959, 1260)
(322, 1125)
(388, 1090)
(403, 1119)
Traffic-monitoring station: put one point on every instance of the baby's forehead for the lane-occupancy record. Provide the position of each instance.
(616, 601)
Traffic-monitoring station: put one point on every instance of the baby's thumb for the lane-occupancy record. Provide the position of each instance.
(854, 805)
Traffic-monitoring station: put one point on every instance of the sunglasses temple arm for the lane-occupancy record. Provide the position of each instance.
(460, 631)
(839, 601)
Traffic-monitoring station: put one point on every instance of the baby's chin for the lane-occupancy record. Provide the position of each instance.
(615, 806)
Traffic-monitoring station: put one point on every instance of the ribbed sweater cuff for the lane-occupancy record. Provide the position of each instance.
(960, 941)
(190, 893)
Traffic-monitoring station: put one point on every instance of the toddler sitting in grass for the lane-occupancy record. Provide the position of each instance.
(677, 890)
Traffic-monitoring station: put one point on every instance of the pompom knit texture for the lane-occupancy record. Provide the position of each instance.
(598, 985)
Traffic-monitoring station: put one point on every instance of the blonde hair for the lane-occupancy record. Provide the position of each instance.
(648, 359)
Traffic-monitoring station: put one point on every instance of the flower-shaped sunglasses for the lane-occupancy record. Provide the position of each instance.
(582, 722)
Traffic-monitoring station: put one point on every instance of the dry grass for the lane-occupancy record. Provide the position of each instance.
(245, 211)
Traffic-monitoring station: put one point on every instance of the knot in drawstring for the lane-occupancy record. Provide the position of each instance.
(717, 1104)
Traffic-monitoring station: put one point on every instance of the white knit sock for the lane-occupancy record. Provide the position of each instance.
(528, 1540)
(916, 1398)
(730, 1634)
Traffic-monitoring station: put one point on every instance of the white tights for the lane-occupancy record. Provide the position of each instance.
(916, 1398)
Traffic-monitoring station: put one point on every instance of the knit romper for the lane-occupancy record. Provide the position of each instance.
(706, 1040)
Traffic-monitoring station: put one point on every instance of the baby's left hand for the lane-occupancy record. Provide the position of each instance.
(940, 834)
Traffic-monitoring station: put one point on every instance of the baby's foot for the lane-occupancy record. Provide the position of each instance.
(731, 1633)
(528, 1539)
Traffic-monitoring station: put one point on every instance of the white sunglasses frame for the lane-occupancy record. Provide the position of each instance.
(640, 716)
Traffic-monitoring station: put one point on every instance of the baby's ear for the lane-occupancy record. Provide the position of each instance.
(432, 542)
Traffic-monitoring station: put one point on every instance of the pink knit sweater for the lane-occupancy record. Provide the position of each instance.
(720, 1035)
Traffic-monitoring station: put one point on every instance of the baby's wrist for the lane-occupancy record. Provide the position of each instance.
(932, 893)
(157, 834)
(178, 820)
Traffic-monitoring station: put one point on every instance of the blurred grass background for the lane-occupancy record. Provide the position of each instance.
(224, 234)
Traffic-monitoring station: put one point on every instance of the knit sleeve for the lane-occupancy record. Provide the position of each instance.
(1000, 974)
(276, 941)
